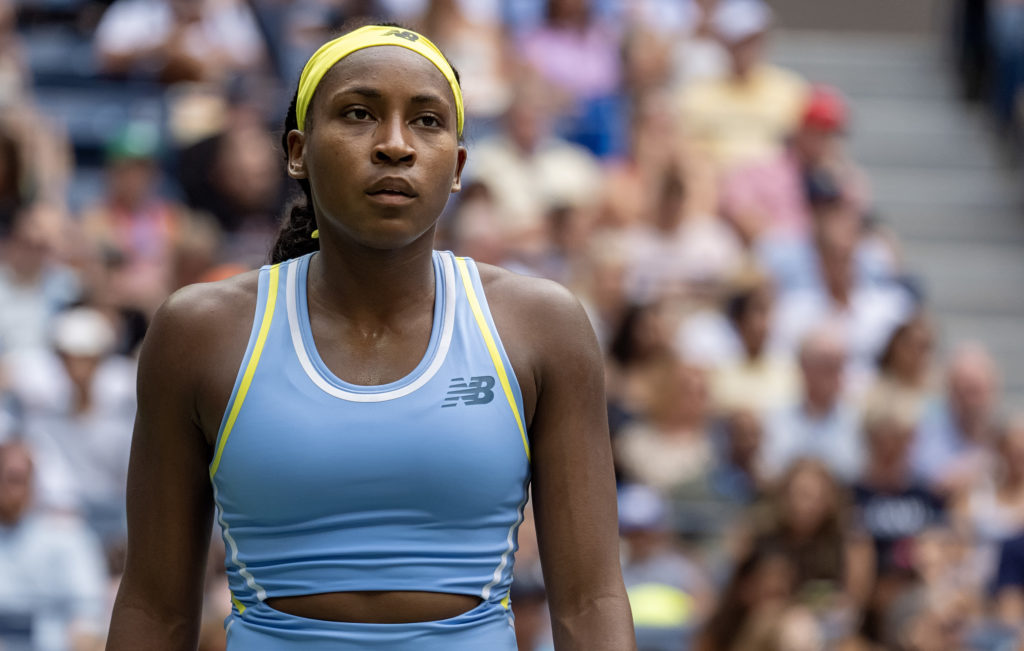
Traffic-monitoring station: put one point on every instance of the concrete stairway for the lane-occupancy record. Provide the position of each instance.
(940, 181)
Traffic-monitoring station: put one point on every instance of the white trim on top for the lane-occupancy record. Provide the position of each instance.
(447, 328)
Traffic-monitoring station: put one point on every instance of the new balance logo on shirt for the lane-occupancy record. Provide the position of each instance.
(477, 391)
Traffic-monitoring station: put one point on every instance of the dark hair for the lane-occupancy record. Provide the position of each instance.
(732, 615)
(295, 235)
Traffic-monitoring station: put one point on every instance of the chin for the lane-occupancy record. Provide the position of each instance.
(392, 234)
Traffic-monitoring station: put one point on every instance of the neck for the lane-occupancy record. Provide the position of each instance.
(818, 408)
(888, 476)
(373, 287)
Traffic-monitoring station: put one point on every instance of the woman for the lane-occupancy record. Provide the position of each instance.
(370, 457)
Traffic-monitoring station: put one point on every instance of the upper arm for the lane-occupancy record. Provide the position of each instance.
(169, 498)
(573, 479)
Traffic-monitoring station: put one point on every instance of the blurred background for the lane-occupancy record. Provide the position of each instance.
(797, 228)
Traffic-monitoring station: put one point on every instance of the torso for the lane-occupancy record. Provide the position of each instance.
(366, 360)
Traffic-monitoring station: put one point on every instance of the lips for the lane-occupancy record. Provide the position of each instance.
(392, 186)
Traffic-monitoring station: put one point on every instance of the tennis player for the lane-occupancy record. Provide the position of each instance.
(366, 415)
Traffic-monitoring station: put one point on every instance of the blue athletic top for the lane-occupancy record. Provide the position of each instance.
(326, 486)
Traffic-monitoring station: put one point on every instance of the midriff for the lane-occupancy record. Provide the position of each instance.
(376, 607)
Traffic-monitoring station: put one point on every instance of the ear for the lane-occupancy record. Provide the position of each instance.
(459, 165)
(296, 151)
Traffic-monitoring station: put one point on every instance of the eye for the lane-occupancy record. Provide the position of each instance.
(357, 114)
(428, 121)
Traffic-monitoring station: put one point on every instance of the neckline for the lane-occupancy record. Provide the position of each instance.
(309, 358)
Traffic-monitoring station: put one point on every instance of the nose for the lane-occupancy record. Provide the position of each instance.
(393, 145)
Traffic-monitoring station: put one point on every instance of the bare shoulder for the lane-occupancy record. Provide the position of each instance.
(541, 310)
(196, 343)
(206, 308)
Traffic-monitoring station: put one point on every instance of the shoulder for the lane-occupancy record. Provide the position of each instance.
(203, 307)
(197, 320)
(547, 308)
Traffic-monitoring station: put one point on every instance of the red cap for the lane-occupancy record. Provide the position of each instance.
(825, 109)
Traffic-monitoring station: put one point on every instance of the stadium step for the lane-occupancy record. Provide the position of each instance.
(940, 181)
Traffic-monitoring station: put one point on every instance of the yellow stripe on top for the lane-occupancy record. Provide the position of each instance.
(250, 369)
(492, 348)
(238, 604)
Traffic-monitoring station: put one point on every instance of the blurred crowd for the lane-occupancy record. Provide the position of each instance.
(799, 467)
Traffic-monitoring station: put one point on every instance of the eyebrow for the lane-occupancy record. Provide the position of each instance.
(365, 91)
(373, 93)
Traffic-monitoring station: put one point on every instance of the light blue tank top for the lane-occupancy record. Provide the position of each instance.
(326, 486)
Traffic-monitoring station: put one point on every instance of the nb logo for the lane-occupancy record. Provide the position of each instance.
(409, 36)
(475, 392)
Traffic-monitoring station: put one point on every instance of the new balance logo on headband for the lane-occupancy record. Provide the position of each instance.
(475, 392)
(409, 36)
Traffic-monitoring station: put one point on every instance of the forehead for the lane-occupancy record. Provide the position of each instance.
(390, 69)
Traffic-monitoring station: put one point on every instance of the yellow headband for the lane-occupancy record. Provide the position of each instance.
(364, 37)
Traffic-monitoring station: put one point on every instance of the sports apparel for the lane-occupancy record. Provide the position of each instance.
(325, 486)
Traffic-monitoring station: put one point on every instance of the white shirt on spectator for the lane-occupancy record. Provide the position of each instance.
(872, 315)
(228, 28)
(81, 460)
(54, 576)
(28, 309)
(834, 439)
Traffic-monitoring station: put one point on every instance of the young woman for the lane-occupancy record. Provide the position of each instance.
(367, 413)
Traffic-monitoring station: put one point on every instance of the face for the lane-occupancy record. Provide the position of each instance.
(912, 351)
(822, 364)
(816, 144)
(756, 320)
(808, 500)
(15, 482)
(380, 149)
(746, 54)
(889, 442)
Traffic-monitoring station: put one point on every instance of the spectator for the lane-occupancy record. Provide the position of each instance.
(806, 518)
(795, 260)
(179, 40)
(767, 197)
(905, 373)
(653, 148)
(134, 226)
(992, 510)
(677, 253)
(15, 77)
(529, 170)
(925, 619)
(1008, 587)
(54, 578)
(758, 593)
(472, 38)
(668, 592)
(669, 447)
(698, 53)
(1005, 26)
(577, 54)
(34, 285)
(761, 380)
(953, 446)
(79, 405)
(738, 477)
(638, 353)
(745, 114)
(892, 507)
(866, 311)
(892, 510)
(14, 194)
(821, 423)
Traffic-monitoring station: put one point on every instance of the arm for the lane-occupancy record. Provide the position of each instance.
(573, 483)
(170, 504)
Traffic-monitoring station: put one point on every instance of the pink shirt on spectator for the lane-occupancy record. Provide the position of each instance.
(585, 63)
